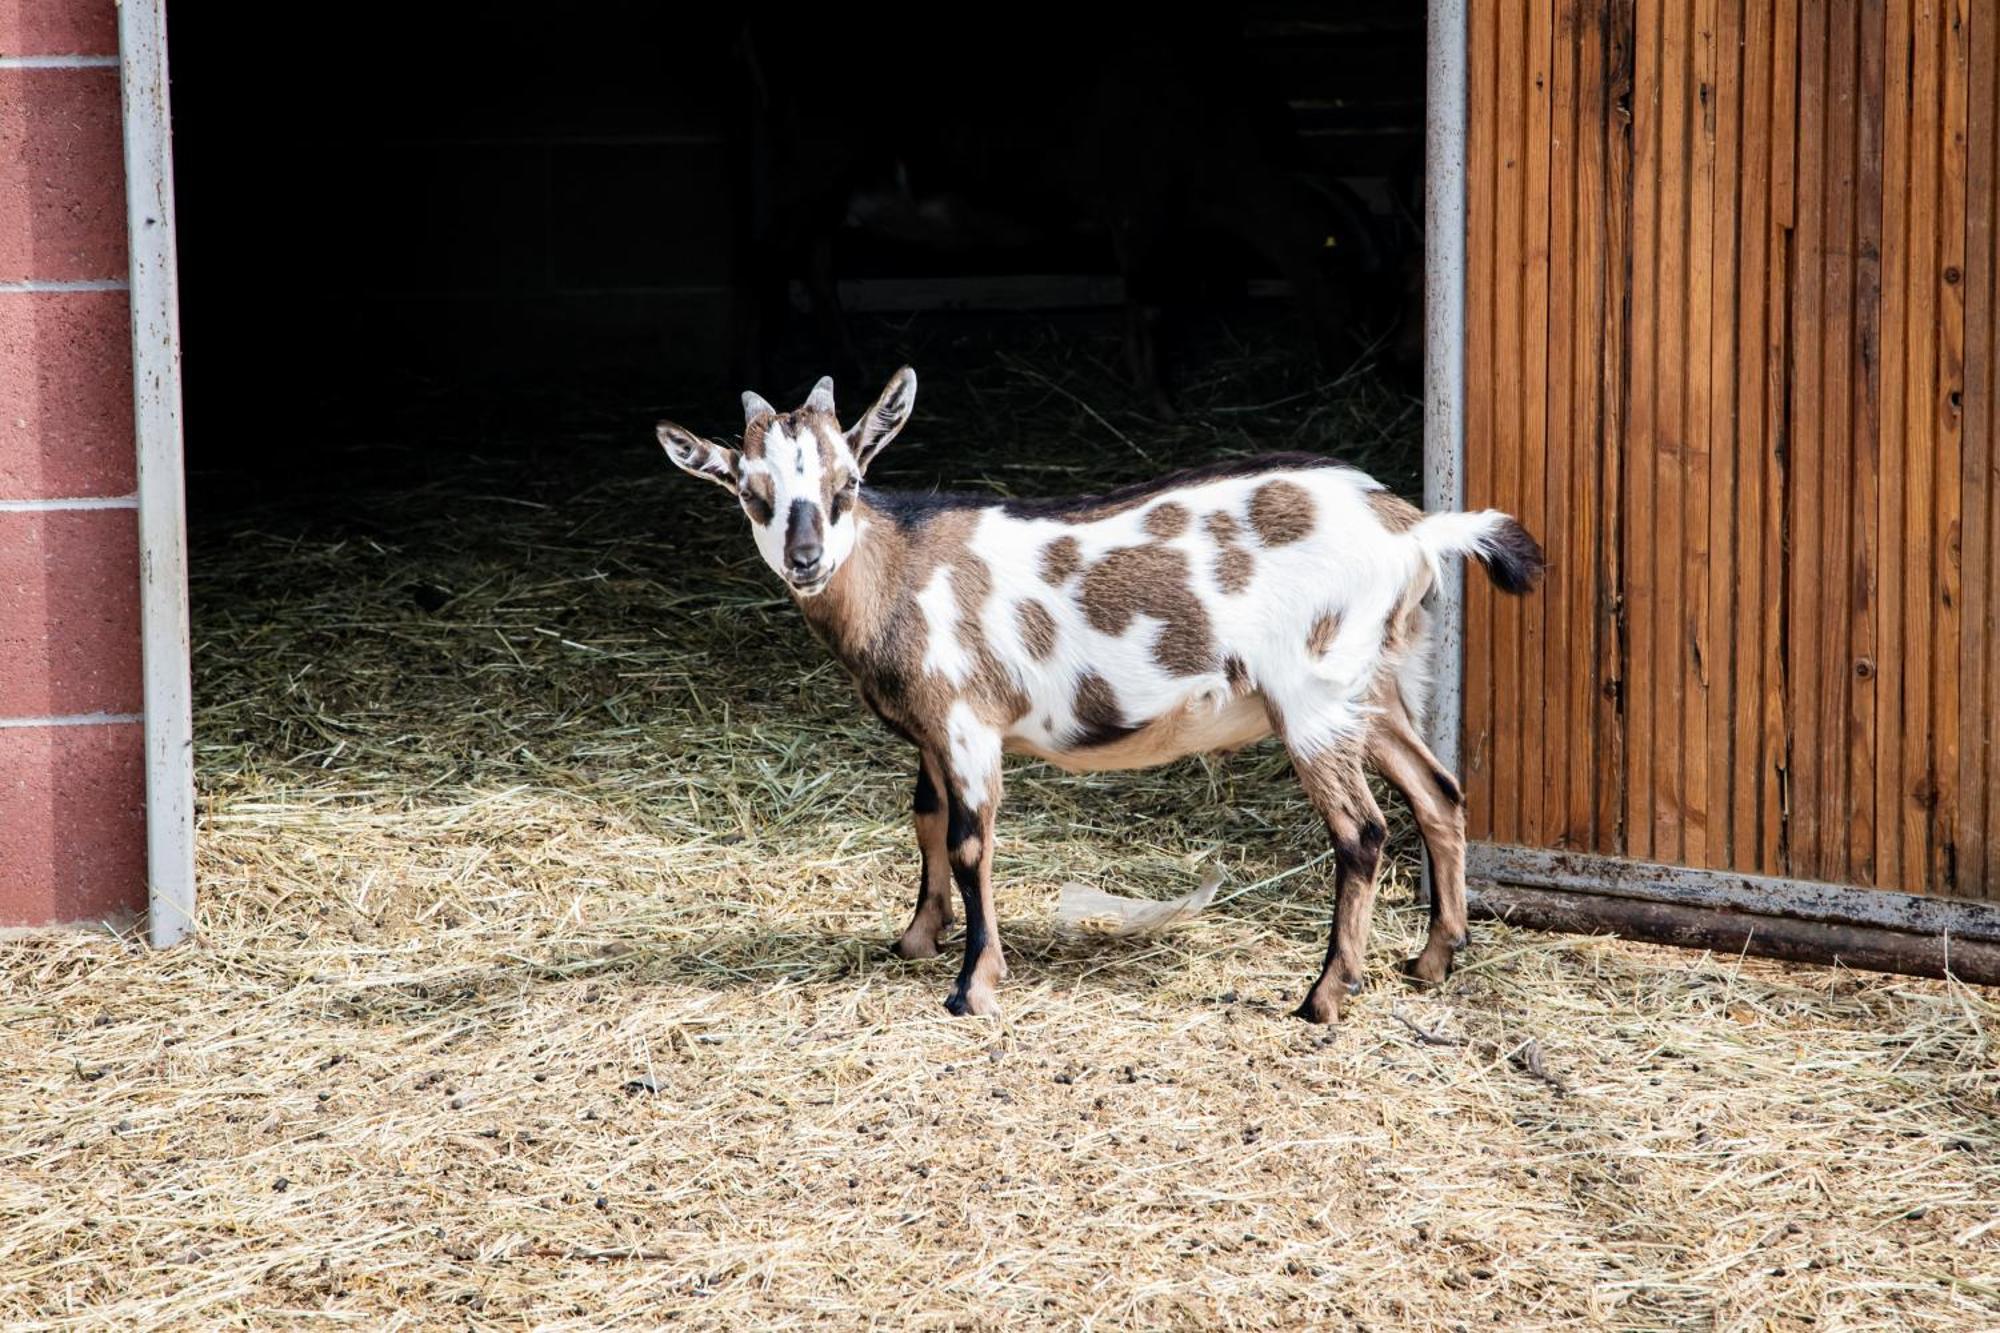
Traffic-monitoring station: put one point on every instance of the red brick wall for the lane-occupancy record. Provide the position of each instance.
(72, 772)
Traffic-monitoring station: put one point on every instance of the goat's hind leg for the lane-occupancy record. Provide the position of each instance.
(934, 888)
(1334, 782)
(1402, 758)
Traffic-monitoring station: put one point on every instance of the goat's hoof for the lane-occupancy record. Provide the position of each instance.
(975, 1000)
(1319, 1006)
(914, 944)
(1429, 968)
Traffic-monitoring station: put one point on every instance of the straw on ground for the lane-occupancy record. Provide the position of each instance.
(541, 982)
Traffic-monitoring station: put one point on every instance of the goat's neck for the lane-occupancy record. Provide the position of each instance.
(851, 615)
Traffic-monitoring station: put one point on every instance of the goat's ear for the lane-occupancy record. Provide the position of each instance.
(704, 458)
(880, 423)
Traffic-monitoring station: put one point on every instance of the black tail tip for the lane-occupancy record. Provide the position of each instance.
(1513, 559)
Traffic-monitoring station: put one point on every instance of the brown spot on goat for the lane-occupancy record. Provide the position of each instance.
(1394, 512)
(1167, 520)
(1222, 526)
(1099, 718)
(759, 496)
(1282, 512)
(1320, 637)
(1234, 567)
(1236, 674)
(753, 435)
(1060, 559)
(1038, 628)
(1151, 581)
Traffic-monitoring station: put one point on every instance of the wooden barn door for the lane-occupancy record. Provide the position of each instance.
(1730, 352)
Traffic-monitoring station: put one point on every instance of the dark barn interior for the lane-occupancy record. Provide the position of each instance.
(408, 203)
(440, 277)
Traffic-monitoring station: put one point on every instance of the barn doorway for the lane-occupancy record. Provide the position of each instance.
(436, 291)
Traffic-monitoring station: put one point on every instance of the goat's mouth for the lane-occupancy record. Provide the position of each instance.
(811, 587)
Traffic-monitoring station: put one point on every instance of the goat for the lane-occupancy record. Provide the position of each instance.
(1195, 613)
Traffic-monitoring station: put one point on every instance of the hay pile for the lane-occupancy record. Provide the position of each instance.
(547, 870)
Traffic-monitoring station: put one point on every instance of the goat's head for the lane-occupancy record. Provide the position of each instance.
(798, 474)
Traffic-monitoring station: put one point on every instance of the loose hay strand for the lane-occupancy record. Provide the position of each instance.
(546, 871)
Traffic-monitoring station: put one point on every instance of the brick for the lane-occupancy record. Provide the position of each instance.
(69, 612)
(72, 823)
(65, 395)
(58, 28)
(62, 175)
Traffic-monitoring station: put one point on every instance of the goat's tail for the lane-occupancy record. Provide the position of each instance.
(1513, 559)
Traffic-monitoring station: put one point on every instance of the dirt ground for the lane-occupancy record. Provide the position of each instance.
(547, 873)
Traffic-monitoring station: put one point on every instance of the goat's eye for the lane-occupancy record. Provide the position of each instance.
(760, 512)
(843, 500)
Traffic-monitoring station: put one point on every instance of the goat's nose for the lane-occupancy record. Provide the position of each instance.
(803, 557)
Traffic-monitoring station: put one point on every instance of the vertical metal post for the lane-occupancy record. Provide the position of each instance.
(1445, 100)
(156, 392)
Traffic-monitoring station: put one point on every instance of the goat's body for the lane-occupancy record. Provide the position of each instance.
(1135, 628)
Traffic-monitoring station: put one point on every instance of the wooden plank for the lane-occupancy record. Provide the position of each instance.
(1508, 386)
(1989, 326)
(1719, 657)
(1837, 453)
(1481, 172)
(1948, 402)
(1836, 353)
(1831, 678)
(1917, 785)
(1977, 840)
(1532, 612)
(1641, 535)
(1807, 593)
(1751, 610)
(1807, 900)
(1590, 325)
(1696, 638)
(1611, 747)
(1736, 933)
(1893, 663)
(1774, 832)
(1864, 467)
(1564, 668)
(1668, 450)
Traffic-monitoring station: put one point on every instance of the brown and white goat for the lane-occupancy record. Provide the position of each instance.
(1196, 613)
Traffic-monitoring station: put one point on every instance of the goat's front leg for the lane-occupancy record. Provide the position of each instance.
(973, 795)
(933, 915)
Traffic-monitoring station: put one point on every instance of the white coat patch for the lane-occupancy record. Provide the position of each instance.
(943, 653)
(975, 754)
